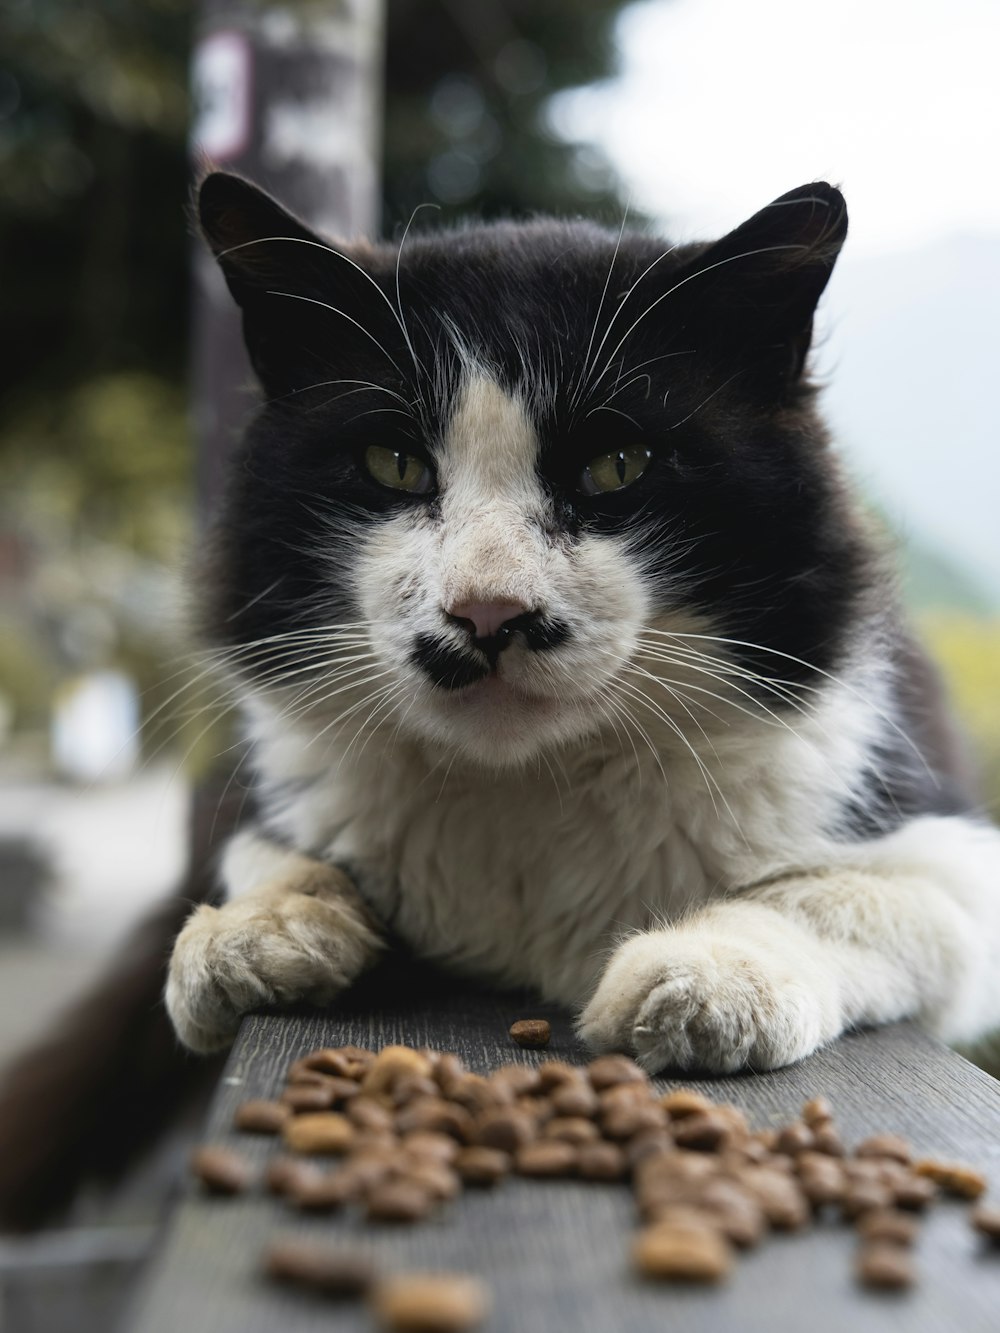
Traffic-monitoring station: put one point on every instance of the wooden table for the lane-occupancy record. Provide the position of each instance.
(555, 1253)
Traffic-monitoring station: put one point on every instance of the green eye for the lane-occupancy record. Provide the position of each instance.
(403, 472)
(615, 471)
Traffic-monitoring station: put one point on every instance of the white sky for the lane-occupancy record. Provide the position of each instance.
(724, 104)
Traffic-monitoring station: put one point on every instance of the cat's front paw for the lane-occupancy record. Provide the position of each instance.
(693, 1000)
(276, 946)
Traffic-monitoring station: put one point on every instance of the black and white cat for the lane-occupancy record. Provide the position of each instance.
(567, 655)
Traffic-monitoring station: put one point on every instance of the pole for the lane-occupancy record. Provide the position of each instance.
(288, 94)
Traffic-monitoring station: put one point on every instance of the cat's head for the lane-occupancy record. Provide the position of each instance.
(505, 477)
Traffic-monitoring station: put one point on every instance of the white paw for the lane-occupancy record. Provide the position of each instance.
(691, 999)
(275, 946)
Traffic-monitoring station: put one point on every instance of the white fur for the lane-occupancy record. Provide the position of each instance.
(491, 546)
(659, 860)
(304, 935)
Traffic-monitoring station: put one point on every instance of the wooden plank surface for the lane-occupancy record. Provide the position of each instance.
(555, 1253)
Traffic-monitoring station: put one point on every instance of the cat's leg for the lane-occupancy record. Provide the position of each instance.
(905, 926)
(293, 929)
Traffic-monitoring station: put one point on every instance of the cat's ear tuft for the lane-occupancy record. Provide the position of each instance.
(764, 279)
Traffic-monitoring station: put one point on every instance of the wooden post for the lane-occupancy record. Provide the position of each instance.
(288, 94)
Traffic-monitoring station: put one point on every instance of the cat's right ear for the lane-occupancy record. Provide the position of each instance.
(285, 279)
(250, 234)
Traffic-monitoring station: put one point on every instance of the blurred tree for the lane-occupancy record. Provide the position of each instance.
(94, 250)
(93, 123)
(93, 116)
(465, 121)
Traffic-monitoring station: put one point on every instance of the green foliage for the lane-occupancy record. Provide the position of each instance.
(106, 461)
(967, 648)
(465, 111)
(94, 235)
(933, 582)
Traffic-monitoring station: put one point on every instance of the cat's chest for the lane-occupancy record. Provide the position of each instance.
(529, 877)
(526, 879)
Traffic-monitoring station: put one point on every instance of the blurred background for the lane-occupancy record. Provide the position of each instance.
(692, 113)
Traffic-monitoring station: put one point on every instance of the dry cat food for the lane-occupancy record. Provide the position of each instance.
(222, 1171)
(401, 1132)
(329, 1268)
(531, 1033)
(691, 1251)
(986, 1220)
(430, 1303)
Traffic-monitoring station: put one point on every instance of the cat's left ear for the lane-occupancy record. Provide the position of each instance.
(760, 284)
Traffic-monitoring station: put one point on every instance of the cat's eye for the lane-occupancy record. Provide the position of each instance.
(616, 470)
(401, 471)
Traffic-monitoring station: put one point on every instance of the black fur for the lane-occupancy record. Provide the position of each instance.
(447, 666)
(695, 352)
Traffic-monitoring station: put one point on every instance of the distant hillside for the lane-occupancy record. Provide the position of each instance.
(933, 582)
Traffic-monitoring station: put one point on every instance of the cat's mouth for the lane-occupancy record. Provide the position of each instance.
(496, 686)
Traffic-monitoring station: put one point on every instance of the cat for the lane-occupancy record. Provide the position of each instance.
(567, 655)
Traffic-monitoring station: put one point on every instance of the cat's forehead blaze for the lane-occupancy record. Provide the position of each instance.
(489, 445)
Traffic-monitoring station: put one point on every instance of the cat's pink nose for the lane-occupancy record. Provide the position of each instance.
(486, 619)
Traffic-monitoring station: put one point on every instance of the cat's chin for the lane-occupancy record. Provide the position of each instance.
(500, 725)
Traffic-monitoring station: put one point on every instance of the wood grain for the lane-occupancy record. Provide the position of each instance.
(555, 1254)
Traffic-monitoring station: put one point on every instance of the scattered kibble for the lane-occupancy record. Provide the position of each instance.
(411, 1129)
(887, 1266)
(221, 1170)
(986, 1220)
(679, 1253)
(430, 1303)
(531, 1033)
(261, 1117)
(330, 1268)
(888, 1226)
(953, 1178)
(324, 1132)
(399, 1200)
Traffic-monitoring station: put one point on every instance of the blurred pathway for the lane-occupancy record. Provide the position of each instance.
(112, 852)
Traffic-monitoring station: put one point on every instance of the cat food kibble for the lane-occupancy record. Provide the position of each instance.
(482, 1166)
(676, 1253)
(391, 1064)
(545, 1157)
(261, 1117)
(505, 1129)
(601, 1161)
(331, 1269)
(986, 1220)
(325, 1132)
(309, 1097)
(817, 1111)
(428, 1143)
(531, 1033)
(318, 1191)
(887, 1225)
(953, 1178)
(430, 1303)
(221, 1170)
(684, 1102)
(399, 1201)
(405, 1131)
(884, 1265)
(885, 1145)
